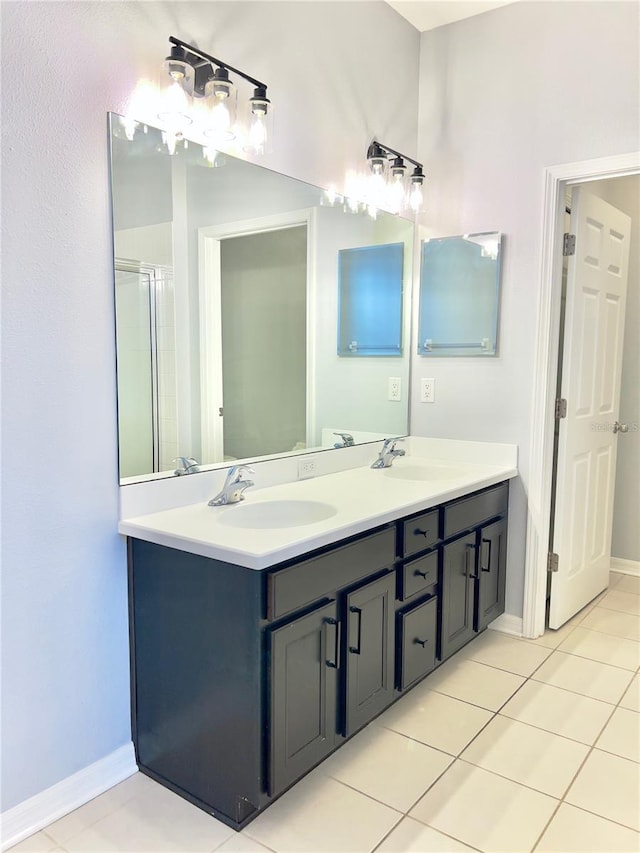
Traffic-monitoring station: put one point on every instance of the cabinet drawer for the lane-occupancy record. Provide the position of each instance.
(420, 532)
(310, 580)
(470, 512)
(419, 574)
(418, 642)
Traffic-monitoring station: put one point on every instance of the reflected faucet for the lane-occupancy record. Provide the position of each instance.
(188, 465)
(234, 486)
(388, 453)
(347, 440)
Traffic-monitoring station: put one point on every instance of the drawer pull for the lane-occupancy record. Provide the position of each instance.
(488, 562)
(418, 532)
(418, 574)
(355, 650)
(422, 643)
(334, 664)
(471, 549)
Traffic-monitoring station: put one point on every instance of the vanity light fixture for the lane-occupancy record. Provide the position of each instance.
(388, 179)
(200, 102)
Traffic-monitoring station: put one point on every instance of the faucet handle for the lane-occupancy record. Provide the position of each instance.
(347, 439)
(236, 473)
(188, 464)
(391, 442)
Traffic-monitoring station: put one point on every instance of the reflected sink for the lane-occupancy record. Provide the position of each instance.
(425, 472)
(276, 514)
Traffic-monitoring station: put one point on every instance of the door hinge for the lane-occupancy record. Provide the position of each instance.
(561, 408)
(552, 562)
(569, 244)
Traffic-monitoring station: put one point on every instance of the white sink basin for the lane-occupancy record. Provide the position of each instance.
(432, 472)
(276, 514)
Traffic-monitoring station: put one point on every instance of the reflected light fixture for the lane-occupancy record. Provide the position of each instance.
(388, 184)
(200, 101)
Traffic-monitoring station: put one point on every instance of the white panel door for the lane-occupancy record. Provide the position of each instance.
(591, 372)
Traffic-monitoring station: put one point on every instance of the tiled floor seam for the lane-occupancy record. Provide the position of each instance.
(417, 740)
(498, 712)
(577, 773)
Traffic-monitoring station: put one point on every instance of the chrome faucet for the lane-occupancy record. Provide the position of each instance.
(388, 453)
(188, 465)
(234, 486)
(347, 440)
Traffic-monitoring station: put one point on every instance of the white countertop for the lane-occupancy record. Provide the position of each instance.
(363, 498)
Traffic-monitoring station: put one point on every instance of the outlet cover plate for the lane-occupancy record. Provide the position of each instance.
(307, 467)
(427, 390)
(395, 389)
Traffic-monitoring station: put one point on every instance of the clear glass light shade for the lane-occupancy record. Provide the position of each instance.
(142, 107)
(181, 72)
(174, 115)
(396, 193)
(221, 109)
(259, 125)
(416, 197)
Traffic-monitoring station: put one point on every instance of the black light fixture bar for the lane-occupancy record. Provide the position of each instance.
(389, 152)
(208, 58)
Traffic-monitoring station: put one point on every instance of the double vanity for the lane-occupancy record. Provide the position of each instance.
(265, 633)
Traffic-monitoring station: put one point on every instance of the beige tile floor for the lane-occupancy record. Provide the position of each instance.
(512, 745)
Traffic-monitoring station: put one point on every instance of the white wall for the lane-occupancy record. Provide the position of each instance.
(65, 691)
(503, 95)
(624, 193)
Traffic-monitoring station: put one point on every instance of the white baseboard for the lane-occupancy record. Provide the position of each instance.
(39, 811)
(627, 567)
(507, 624)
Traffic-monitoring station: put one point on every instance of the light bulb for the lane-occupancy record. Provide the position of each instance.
(129, 125)
(209, 153)
(170, 139)
(416, 198)
(396, 194)
(258, 133)
(174, 111)
(377, 191)
(142, 106)
(220, 118)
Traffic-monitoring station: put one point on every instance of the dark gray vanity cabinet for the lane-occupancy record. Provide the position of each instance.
(330, 663)
(304, 658)
(369, 651)
(243, 680)
(473, 566)
(458, 594)
(492, 567)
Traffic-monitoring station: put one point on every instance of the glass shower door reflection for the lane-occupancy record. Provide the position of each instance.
(136, 373)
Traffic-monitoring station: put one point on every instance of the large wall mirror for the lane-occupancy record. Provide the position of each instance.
(228, 312)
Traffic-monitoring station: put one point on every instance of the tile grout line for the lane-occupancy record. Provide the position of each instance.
(497, 712)
(579, 770)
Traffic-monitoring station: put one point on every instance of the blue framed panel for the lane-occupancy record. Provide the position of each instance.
(370, 289)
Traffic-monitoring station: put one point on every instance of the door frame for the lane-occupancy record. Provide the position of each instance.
(545, 372)
(209, 293)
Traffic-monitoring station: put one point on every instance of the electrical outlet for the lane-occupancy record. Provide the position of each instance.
(306, 467)
(395, 388)
(427, 390)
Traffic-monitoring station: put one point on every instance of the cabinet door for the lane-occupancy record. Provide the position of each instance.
(491, 574)
(304, 662)
(458, 593)
(370, 653)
